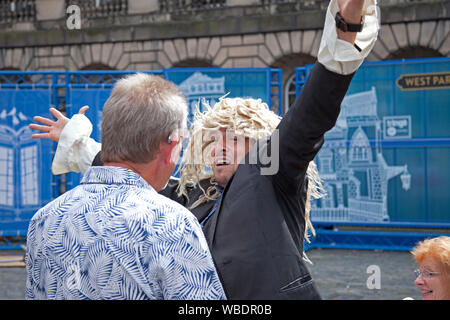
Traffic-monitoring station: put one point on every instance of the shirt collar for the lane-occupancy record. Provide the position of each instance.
(219, 189)
(113, 175)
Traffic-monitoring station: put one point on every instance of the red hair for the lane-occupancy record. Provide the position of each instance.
(437, 249)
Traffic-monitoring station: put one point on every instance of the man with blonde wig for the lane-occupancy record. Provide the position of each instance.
(248, 177)
(114, 236)
(209, 163)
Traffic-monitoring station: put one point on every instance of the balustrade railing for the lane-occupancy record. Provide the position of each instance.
(173, 6)
(17, 11)
(100, 8)
(14, 11)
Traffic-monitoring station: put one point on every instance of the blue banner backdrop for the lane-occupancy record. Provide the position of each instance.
(386, 160)
(209, 84)
(25, 163)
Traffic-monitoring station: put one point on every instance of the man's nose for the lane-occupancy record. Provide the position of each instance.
(218, 150)
(219, 145)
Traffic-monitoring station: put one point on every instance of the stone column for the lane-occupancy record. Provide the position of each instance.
(142, 6)
(236, 3)
(50, 10)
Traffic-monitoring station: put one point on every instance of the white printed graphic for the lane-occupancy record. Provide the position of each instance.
(200, 86)
(397, 127)
(18, 161)
(374, 280)
(352, 166)
(74, 20)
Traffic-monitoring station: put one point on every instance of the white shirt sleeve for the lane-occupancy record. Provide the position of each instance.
(341, 56)
(75, 151)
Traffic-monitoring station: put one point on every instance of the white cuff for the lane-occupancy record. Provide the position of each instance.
(75, 151)
(341, 56)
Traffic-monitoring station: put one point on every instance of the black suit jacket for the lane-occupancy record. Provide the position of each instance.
(256, 234)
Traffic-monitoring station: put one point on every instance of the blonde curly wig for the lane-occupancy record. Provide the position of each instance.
(248, 117)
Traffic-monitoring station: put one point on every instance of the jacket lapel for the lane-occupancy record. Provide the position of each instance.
(210, 233)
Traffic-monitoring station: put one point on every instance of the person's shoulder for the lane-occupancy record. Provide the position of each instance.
(57, 206)
(160, 204)
(160, 217)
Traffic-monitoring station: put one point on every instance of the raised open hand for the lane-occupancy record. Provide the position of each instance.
(51, 129)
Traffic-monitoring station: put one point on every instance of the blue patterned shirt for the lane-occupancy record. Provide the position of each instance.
(115, 237)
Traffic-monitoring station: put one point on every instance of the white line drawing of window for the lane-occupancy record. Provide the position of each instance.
(360, 147)
(28, 175)
(19, 173)
(326, 162)
(6, 176)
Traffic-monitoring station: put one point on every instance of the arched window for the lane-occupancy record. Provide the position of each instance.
(97, 66)
(287, 64)
(353, 188)
(96, 78)
(289, 92)
(413, 53)
(360, 150)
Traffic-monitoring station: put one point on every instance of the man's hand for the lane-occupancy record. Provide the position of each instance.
(51, 128)
(351, 11)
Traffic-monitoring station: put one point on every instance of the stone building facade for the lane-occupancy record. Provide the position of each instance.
(156, 34)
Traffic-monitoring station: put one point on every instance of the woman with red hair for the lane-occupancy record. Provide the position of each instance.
(433, 275)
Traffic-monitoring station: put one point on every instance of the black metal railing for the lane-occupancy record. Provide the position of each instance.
(100, 8)
(17, 11)
(316, 4)
(13, 11)
(298, 4)
(173, 6)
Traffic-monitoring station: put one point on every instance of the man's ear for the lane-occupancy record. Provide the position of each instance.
(166, 151)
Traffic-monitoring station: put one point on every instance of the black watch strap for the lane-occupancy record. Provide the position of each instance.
(347, 27)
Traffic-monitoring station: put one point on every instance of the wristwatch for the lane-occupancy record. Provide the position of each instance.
(348, 27)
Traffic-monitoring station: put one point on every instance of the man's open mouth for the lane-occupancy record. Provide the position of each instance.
(222, 162)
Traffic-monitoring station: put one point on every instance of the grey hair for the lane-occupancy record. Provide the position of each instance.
(141, 112)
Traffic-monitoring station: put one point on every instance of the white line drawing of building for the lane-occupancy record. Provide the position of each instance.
(352, 166)
(202, 87)
(18, 165)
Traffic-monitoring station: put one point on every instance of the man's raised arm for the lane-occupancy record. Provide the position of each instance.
(75, 151)
(302, 129)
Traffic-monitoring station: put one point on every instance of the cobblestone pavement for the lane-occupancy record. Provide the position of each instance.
(339, 275)
(344, 274)
(12, 279)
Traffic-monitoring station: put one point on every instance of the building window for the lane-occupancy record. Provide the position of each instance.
(289, 92)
